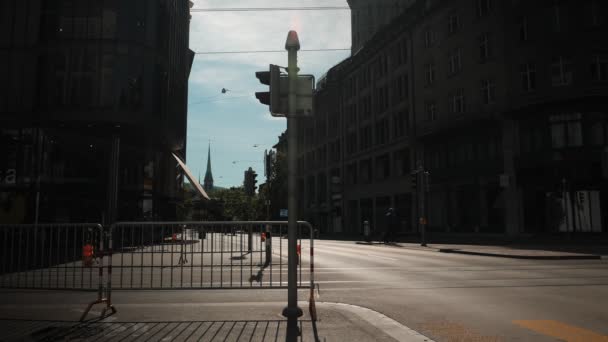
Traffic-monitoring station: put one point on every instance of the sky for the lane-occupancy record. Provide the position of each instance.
(237, 125)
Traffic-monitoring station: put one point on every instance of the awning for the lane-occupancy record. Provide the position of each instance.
(191, 178)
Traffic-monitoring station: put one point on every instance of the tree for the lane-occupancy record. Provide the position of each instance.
(275, 188)
(239, 207)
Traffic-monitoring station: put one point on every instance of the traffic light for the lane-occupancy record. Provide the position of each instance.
(581, 197)
(250, 181)
(271, 98)
(414, 181)
(254, 180)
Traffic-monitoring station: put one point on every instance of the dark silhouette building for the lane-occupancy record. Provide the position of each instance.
(75, 75)
(503, 103)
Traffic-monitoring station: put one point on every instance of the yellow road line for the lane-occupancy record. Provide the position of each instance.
(562, 331)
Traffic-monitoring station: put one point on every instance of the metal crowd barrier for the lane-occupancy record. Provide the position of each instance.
(205, 255)
(54, 256)
(152, 255)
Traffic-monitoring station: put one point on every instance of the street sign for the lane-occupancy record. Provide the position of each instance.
(283, 213)
(304, 95)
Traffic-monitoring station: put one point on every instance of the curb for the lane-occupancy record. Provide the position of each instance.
(377, 319)
(529, 257)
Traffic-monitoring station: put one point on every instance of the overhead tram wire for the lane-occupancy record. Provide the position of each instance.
(277, 9)
(265, 51)
(273, 9)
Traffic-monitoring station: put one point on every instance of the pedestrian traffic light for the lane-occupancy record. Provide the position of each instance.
(271, 98)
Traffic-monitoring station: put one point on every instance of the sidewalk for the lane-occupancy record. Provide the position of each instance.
(52, 318)
(515, 251)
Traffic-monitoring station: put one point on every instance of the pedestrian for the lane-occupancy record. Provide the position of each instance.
(391, 227)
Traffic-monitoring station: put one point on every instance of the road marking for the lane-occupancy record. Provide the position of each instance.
(562, 331)
(381, 257)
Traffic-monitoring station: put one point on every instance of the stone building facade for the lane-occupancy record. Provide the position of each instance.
(75, 75)
(500, 102)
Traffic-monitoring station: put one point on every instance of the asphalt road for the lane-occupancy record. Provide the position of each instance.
(452, 297)
(447, 297)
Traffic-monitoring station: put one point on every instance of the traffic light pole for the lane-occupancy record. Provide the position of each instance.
(420, 191)
(292, 311)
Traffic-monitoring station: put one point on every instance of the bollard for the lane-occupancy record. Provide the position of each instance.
(366, 231)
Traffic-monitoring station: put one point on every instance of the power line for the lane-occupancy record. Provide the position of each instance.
(214, 99)
(264, 51)
(274, 9)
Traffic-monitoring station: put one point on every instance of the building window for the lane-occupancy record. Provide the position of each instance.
(400, 53)
(366, 171)
(556, 22)
(528, 77)
(485, 49)
(402, 162)
(430, 108)
(483, 7)
(381, 99)
(523, 29)
(453, 23)
(383, 167)
(382, 132)
(400, 89)
(599, 68)
(457, 101)
(400, 124)
(596, 133)
(429, 37)
(351, 174)
(594, 12)
(429, 73)
(351, 143)
(488, 91)
(566, 130)
(455, 62)
(366, 137)
(561, 71)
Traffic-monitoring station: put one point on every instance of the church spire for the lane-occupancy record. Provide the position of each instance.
(208, 182)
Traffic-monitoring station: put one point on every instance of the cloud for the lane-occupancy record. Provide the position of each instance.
(235, 121)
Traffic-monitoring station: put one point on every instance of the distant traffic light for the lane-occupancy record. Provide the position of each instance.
(581, 197)
(250, 181)
(271, 78)
(414, 181)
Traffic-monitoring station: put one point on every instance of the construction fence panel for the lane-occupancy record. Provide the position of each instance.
(206, 255)
(51, 256)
